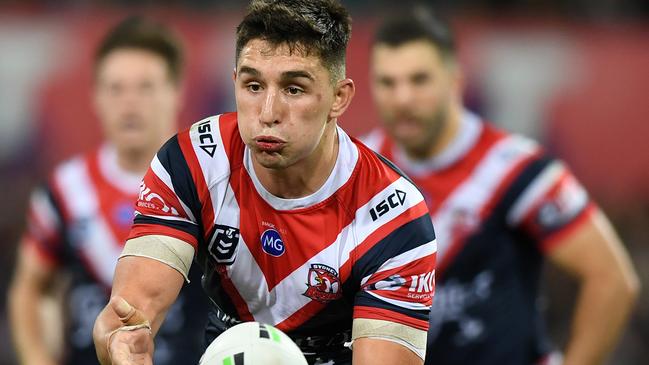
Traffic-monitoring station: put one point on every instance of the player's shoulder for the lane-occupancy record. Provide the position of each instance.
(72, 168)
(215, 138)
(384, 178)
(506, 147)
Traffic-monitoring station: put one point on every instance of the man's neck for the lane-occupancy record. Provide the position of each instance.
(304, 177)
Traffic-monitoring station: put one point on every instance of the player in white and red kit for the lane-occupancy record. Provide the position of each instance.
(79, 220)
(293, 222)
(501, 205)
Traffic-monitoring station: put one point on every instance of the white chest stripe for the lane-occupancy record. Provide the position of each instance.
(472, 195)
(97, 242)
(283, 300)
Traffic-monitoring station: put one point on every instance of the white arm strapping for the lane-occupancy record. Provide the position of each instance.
(171, 251)
(412, 338)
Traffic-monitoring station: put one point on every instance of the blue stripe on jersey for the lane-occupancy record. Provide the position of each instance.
(365, 299)
(171, 158)
(521, 182)
(64, 251)
(415, 233)
(394, 167)
(192, 229)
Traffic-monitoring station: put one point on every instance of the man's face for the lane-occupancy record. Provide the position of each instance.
(284, 103)
(412, 88)
(136, 99)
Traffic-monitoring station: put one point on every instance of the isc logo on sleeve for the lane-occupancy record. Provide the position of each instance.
(392, 201)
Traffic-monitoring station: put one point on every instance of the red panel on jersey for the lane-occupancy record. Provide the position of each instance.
(379, 234)
(441, 183)
(460, 239)
(312, 229)
(388, 315)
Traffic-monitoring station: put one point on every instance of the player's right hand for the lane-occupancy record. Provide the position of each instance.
(131, 344)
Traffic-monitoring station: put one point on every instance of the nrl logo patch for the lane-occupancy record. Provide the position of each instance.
(324, 284)
(223, 245)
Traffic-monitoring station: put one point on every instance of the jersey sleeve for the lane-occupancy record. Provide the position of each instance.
(396, 267)
(45, 226)
(168, 204)
(550, 205)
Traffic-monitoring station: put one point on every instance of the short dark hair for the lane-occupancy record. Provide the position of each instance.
(419, 23)
(322, 27)
(146, 34)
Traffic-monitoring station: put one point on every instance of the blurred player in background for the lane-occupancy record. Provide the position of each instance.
(294, 223)
(79, 220)
(500, 206)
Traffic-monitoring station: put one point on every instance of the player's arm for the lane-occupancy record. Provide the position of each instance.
(608, 288)
(396, 272)
(30, 281)
(148, 278)
(555, 211)
(388, 344)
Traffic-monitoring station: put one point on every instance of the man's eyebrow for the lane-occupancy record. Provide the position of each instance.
(286, 75)
(249, 70)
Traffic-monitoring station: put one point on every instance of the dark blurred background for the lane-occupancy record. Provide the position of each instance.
(573, 74)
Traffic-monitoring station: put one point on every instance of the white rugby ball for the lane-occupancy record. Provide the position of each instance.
(253, 343)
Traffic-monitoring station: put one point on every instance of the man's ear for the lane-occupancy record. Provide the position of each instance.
(343, 94)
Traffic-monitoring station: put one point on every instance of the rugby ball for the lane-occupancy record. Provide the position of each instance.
(253, 343)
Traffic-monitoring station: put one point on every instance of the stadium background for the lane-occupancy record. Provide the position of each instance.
(573, 74)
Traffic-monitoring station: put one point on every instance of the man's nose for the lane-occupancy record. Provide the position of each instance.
(403, 95)
(271, 108)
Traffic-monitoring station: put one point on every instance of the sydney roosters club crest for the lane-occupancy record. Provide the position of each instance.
(323, 284)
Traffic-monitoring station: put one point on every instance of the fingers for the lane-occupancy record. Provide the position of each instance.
(131, 348)
(128, 315)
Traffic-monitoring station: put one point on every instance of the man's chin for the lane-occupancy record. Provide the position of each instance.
(274, 161)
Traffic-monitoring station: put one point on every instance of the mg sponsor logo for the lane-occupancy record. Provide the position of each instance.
(272, 243)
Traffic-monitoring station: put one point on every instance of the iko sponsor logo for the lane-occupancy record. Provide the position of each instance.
(206, 139)
(422, 283)
(392, 201)
(272, 244)
(151, 200)
(223, 245)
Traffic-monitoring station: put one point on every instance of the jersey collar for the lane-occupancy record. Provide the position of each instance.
(467, 136)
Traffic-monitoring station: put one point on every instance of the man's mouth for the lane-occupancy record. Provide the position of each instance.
(269, 144)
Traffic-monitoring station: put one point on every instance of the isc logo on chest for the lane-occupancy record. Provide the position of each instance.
(392, 201)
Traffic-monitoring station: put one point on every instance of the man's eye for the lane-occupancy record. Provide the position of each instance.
(254, 87)
(294, 90)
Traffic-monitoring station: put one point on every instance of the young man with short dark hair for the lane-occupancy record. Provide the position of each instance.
(294, 223)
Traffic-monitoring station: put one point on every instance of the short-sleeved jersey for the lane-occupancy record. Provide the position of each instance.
(499, 203)
(362, 246)
(78, 222)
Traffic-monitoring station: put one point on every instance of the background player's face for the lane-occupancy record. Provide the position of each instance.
(284, 103)
(136, 99)
(413, 88)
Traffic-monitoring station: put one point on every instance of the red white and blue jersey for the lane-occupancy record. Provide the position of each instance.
(78, 222)
(362, 246)
(499, 203)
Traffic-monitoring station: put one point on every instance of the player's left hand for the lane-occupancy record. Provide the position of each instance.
(131, 344)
